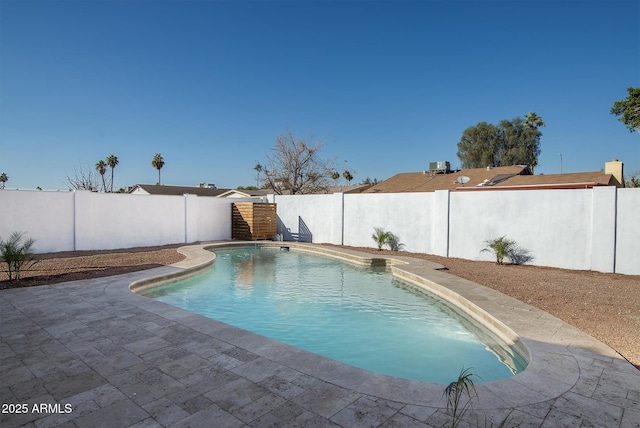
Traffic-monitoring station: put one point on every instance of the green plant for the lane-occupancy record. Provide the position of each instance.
(501, 247)
(380, 236)
(383, 237)
(457, 404)
(455, 391)
(17, 254)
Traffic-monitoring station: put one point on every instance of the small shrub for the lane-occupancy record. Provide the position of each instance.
(380, 236)
(455, 393)
(17, 254)
(500, 247)
(460, 395)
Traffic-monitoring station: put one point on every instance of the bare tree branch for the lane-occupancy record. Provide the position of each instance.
(83, 178)
(295, 167)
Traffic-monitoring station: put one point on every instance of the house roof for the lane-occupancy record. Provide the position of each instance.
(498, 178)
(244, 193)
(356, 188)
(598, 178)
(430, 182)
(155, 189)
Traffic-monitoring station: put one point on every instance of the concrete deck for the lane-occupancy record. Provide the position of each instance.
(96, 354)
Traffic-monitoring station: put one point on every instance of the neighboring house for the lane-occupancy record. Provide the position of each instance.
(236, 193)
(516, 177)
(355, 188)
(154, 189)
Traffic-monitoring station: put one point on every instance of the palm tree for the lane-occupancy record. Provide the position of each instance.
(335, 176)
(158, 163)
(101, 167)
(3, 179)
(533, 121)
(347, 176)
(258, 169)
(112, 161)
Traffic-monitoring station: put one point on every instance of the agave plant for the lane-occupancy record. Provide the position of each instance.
(501, 247)
(17, 254)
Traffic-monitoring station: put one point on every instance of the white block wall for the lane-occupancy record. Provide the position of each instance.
(82, 220)
(585, 229)
(589, 229)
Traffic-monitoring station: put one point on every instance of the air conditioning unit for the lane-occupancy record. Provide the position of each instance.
(440, 166)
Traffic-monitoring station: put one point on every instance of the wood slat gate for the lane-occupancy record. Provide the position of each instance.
(253, 220)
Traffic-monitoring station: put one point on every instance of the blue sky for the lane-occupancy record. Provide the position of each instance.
(387, 86)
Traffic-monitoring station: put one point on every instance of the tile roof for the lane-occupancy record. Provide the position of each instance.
(155, 189)
(430, 182)
(599, 178)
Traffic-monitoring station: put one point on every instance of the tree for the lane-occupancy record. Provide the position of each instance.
(519, 142)
(347, 176)
(295, 167)
(258, 170)
(335, 176)
(82, 178)
(3, 179)
(112, 162)
(101, 167)
(533, 121)
(512, 142)
(157, 162)
(628, 110)
(369, 182)
(478, 146)
(634, 180)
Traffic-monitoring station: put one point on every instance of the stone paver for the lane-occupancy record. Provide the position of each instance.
(92, 353)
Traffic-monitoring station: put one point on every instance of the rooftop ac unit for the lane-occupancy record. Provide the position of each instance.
(440, 166)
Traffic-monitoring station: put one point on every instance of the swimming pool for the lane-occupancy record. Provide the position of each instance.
(356, 315)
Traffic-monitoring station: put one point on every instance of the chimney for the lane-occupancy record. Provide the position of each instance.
(615, 168)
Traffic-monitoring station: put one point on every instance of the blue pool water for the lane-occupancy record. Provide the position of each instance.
(359, 316)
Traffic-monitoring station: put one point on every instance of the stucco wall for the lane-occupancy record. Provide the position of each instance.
(628, 232)
(47, 217)
(554, 226)
(81, 220)
(591, 229)
(406, 215)
(588, 229)
(321, 213)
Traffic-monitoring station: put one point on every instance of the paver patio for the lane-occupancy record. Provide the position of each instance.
(120, 359)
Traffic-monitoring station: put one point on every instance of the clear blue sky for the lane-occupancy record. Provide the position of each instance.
(389, 86)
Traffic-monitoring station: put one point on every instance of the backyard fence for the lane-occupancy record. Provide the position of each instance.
(585, 229)
(82, 220)
(589, 229)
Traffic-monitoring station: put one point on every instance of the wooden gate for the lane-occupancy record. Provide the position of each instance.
(253, 220)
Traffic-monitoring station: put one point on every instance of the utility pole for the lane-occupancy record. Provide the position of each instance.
(560, 163)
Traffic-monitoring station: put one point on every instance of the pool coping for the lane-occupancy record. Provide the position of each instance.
(555, 350)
